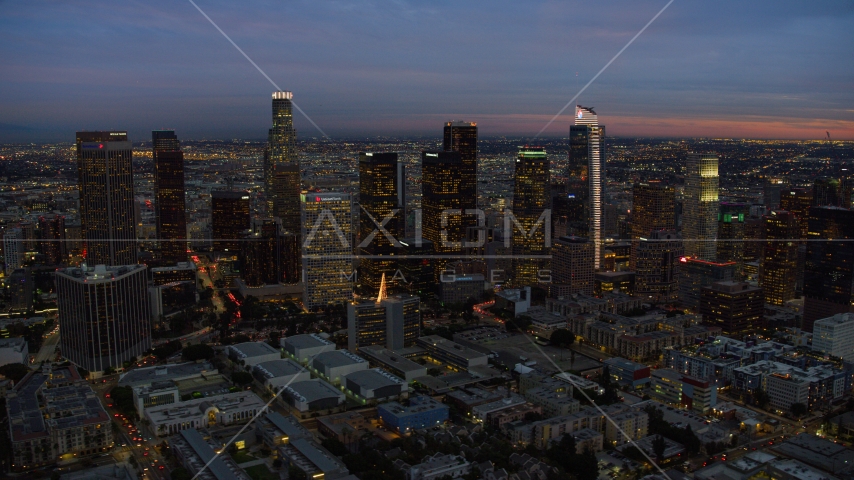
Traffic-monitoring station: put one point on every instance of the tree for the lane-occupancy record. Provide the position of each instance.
(241, 378)
(798, 409)
(658, 447)
(562, 338)
(14, 371)
(197, 352)
(760, 398)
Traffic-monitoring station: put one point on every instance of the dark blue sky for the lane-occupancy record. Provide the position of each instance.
(757, 68)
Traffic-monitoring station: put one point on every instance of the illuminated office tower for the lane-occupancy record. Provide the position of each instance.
(798, 201)
(105, 313)
(170, 212)
(230, 218)
(461, 137)
(571, 267)
(657, 266)
(53, 239)
(327, 250)
(440, 192)
(696, 274)
(587, 147)
(825, 192)
(731, 234)
(270, 255)
(393, 322)
(829, 264)
(653, 208)
(13, 249)
(282, 187)
(777, 274)
(531, 239)
(382, 187)
(105, 181)
(700, 207)
(736, 307)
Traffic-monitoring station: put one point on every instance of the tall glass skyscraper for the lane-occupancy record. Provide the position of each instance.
(170, 212)
(327, 251)
(777, 274)
(461, 137)
(440, 192)
(281, 165)
(587, 147)
(382, 185)
(700, 207)
(105, 180)
(829, 265)
(653, 208)
(531, 197)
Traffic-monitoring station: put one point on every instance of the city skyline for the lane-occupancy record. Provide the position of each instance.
(684, 77)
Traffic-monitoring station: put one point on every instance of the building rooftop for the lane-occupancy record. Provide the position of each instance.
(278, 368)
(624, 364)
(312, 390)
(443, 343)
(390, 358)
(193, 408)
(837, 319)
(336, 358)
(99, 273)
(374, 379)
(310, 340)
(219, 467)
(417, 404)
(13, 342)
(288, 425)
(139, 376)
(310, 454)
(253, 349)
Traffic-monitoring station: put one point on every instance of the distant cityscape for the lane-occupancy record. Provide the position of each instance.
(585, 307)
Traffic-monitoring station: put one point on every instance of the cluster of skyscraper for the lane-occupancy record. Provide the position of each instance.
(553, 236)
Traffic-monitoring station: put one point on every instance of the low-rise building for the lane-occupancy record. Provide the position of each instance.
(14, 350)
(160, 373)
(375, 385)
(276, 429)
(588, 439)
(634, 424)
(421, 412)
(445, 351)
(786, 389)
(311, 458)
(395, 363)
(469, 397)
(54, 412)
(627, 372)
(439, 466)
(487, 411)
(225, 409)
(833, 336)
(335, 365)
(253, 353)
(303, 348)
(555, 398)
(347, 427)
(157, 393)
(674, 388)
(199, 456)
(313, 395)
(275, 374)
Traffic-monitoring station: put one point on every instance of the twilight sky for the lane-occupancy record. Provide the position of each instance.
(746, 68)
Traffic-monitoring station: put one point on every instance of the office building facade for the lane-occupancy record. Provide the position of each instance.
(230, 218)
(104, 315)
(170, 210)
(393, 322)
(382, 201)
(571, 267)
(696, 274)
(441, 205)
(657, 266)
(736, 307)
(531, 228)
(700, 207)
(281, 165)
(653, 208)
(731, 234)
(53, 239)
(587, 143)
(327, 249)
(105, 181)
(829, 264)
(777, 274)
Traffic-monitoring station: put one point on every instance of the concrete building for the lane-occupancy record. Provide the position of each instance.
(157, 393)
(54, 412)
(422, 412)
(334, 366)
(276, 429)
(833, 336)
(327, 249)
(393, 322)
(101, 338)
(313, 395)
(175, 372)
(252, 353)
(311, 458)
(303, 348)
(451, 353)
(225, 409)
(395, 363)
(626, 372)
(374, 385)
(486, 412)
(735, 307)
(634, 424)
(785, 390)
(275, 374)
(199, 456)
(571, 267)
(674, 388)
(516, 300)
(439, 466)
(456, 289)
(14, 350)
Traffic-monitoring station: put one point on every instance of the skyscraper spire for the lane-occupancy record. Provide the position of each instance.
(382, 293)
